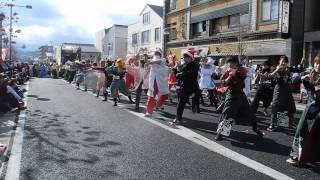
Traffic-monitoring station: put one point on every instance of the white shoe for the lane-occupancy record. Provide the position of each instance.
(147, 115)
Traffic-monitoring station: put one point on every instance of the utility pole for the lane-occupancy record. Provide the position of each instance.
(2, 16)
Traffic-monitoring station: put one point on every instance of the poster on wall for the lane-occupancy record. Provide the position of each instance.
(284, 16)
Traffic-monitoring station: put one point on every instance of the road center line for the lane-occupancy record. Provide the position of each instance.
(13, 169)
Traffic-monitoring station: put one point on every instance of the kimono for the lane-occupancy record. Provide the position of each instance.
(306, 146)
(118, 84)
(265, 90)
(236, 107)
(283, 105)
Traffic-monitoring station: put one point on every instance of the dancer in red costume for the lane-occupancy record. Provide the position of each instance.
(158, 84)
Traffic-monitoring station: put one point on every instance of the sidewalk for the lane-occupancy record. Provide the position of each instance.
(7, 129)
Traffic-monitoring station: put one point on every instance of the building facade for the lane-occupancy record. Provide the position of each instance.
(146, 34)
(46, 53)
(72, 51)
(112, 42)
(312, 31)
(258, 29)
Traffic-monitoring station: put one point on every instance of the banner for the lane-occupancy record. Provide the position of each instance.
(4, 53)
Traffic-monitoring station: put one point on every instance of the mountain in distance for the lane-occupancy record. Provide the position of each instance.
(28, 55)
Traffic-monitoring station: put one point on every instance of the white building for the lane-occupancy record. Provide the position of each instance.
(112, 42)
(72, 51)
(146, 34)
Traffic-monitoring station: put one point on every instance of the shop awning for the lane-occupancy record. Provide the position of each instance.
(242, 8)
(224, 54)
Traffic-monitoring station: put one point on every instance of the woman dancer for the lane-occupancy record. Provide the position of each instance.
(118, 84)
(205, 82)
(283, 105)
(306, 146)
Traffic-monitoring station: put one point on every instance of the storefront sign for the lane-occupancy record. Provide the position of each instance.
(284, 12)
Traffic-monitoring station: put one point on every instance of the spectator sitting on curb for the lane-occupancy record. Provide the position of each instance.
(9, 95)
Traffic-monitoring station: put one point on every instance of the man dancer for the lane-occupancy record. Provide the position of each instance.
(189, 84)
(265, 89)
(236, 101)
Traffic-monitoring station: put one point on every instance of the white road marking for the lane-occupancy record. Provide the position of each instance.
(217, 148)
(212, 146)
(13, 169)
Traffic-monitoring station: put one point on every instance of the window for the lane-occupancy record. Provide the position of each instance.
(146, 18)
(134, 39)
(157, 34)
(173, 4)
(199, 28)
(173, 34)
(145, 37)
(244, 19)
(215, 26)
(193, 2)
(234, 21)
(270, 10)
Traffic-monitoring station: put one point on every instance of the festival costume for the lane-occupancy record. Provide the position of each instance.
(79, 78)
(187, 83)
(236, 104)
(172, 80)
(306, 146)
(264, 91)
(282, 103)
(158, 83)
(247, 82)
(141, 76)
(129, 79)
(118, 84)
(206, 82)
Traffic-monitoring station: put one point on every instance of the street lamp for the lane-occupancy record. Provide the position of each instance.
(11, 5)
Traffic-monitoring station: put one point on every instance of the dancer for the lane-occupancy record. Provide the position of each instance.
(206, 83)
(118, 84)
(129, 79)
(265, 88)
(189, 84)
(236, 103)
(283, 105)
(79, 78)
(140, 70)
(306, 147)
(172, 80)
(158, 84)
(249, 77)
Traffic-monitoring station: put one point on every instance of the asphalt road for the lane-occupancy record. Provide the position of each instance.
(70, 134)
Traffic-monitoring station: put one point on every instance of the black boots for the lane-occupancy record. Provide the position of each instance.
(115, 102)
(130, 99)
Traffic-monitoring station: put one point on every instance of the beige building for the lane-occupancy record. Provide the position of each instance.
(255, 28)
